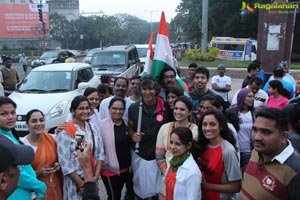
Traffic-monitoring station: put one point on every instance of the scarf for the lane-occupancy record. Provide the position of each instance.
(175, 163)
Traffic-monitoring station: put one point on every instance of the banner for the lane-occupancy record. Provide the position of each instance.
(22, 21)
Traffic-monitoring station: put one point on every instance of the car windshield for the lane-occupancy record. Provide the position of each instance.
(109, 58)
(49, 54)
(47, 82)
(142, 52)
(90, 53)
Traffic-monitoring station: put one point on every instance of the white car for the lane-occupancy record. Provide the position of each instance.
(51, 88)
(142, 51)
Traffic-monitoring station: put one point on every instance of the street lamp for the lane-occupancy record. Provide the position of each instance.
(151, 11)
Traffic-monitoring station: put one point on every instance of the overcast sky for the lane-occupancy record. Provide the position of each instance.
(138, 8)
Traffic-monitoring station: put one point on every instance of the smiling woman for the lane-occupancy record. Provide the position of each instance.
(218, 160)
(182, 112)
(45, 161)
(74, 136)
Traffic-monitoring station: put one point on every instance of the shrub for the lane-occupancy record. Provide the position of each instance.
(195, 54)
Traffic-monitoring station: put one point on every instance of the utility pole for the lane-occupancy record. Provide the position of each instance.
(204, 26)
(81, 15)
(151, 11)
(43, 27)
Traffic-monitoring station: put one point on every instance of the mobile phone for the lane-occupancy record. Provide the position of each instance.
(80, 142)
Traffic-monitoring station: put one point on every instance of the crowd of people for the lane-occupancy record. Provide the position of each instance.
(160, 141)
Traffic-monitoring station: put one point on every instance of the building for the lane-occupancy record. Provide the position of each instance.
(68, 8)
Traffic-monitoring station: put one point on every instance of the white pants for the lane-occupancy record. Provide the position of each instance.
(146, 176)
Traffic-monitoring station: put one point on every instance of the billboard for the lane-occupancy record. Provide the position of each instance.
(22, 21)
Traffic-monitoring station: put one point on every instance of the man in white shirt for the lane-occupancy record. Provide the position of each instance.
(221, 84)
(260, 96)
(120, 88)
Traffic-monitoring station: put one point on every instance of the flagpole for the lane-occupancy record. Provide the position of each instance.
(139, 125)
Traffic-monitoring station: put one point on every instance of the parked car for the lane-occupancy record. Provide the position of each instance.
(114, 60)
(51, 88)
(89, 55)
(142, 51)
(52, 57)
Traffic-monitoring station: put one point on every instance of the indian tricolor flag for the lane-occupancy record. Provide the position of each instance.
(163, 55)
(149, 57)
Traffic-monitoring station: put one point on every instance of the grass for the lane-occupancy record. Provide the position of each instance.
(184, 62)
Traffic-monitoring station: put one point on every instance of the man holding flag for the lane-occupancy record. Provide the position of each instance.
(163, 56)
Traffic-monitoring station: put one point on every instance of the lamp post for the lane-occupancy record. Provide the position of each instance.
(151, 11)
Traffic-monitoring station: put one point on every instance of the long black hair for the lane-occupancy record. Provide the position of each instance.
(277, 85)
(225, 132)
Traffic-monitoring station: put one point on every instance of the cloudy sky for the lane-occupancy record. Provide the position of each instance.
(139, 8)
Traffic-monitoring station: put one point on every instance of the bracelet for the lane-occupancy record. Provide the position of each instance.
(98, 176)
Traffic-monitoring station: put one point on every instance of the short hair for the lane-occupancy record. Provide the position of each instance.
(102, 88)
(122, 78)
(256, 62)
(214, 100)
(116, 98)
(186, 100)
(252, 66)
(149, 82)
(175, 89)
(278, 72)
(202, 70)
(193, 65)
(292, 110)
(258, 81)
(135, 77)
(5, 58)
(165, 69)
(89, 91)
(28, 115)
(274, 114)
(168, 68)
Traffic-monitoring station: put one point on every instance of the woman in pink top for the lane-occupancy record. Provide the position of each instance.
(279, 95)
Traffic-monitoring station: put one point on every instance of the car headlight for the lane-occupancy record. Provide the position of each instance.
(58, 110)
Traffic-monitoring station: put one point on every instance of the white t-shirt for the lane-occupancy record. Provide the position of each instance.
(260, 98)
(221, 82)
(244, 134)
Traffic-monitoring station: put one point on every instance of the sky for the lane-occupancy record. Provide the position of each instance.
(139, 8)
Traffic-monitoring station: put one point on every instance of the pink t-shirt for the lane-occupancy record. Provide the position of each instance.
(277, 103)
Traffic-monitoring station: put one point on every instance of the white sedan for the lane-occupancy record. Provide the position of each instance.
(51, 88)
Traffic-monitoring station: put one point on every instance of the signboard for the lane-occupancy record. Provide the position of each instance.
(22, 21)
(230, 55)
(248, 48)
